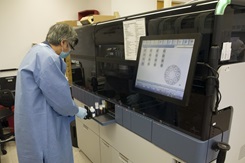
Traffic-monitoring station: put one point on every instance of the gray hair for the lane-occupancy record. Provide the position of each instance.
(59, 32)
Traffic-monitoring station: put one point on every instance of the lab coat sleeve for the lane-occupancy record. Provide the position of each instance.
(55, 88)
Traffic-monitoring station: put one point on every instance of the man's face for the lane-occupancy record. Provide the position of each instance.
(65, 46)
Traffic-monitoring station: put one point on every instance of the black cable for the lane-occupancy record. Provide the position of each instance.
(215, 72)
(215, 77)
(222, 147)
(218, 95)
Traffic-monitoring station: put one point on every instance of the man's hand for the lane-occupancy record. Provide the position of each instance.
(82, 112)
(89, 113)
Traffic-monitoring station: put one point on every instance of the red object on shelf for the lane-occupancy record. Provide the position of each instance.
(87, 13)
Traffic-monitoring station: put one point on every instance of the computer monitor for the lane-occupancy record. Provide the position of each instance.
(166, 66)
(8, 82)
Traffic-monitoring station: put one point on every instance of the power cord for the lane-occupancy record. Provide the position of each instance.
(215, 77)
(221, 146)
(214, 71)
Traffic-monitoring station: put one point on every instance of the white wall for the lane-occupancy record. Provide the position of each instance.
(124, 7)
(27, 21)
(103, 6)
(24, 22)
(131, 7)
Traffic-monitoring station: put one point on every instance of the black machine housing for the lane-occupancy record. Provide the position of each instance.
(108, 74)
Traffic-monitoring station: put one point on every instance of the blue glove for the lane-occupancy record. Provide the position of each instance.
(82, 112)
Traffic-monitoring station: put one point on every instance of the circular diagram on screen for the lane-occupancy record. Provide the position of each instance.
(172, 75)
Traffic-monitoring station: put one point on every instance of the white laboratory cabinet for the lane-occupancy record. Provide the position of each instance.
(111, 155)
(116, 144)
(88, 139)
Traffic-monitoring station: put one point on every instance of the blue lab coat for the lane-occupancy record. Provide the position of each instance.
(43, 108)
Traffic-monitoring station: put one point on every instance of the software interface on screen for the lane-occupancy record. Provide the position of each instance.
(164, 65)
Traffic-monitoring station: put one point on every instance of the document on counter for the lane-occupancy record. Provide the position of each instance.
(132, 30)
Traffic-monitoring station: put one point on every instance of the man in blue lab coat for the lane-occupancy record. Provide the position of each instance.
(43, 102)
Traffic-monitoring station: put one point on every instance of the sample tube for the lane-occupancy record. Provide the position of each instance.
(92, 110)
(97, 109)
(101, 109)
(103, 106)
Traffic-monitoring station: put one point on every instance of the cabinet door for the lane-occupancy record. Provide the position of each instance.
(106, 152)
(118, 157)
(88, 142)
(110, 155)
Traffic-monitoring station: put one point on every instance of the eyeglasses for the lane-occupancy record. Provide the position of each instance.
(71, 46)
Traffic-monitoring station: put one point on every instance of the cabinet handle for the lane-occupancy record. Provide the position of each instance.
(106, 144)
(84, 126)
(123, 158)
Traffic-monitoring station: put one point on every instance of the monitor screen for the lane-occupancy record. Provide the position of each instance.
(166, 66)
